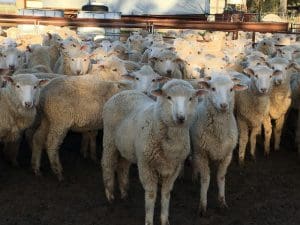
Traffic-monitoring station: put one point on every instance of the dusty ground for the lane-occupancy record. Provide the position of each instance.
(262, 193)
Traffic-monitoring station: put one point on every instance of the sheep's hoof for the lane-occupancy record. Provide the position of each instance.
(37, 172)
(223, 204)
(165, 222)
(253, 158)
(60, 177)
(241, 162)
(267, 154)
(124, 195)
(202, 211)
(110, 197)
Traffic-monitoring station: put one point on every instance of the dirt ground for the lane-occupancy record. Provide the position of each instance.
(265, 192)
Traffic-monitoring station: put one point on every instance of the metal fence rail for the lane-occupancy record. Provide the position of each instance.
(168, 22)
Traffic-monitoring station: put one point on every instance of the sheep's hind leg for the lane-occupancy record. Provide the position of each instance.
(123, 176)
(278, 130)
(55, 138)
(268, 132)
(243, 140)
(109, 165)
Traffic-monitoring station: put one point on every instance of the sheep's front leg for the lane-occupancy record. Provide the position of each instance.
(222, 170)
(268, 132)
(149, 181)
(278, 130)
(93, 145)
(204, 180)
(243, 139)
(84, 144)
(55, 137)
(167, 186)
(254, 132)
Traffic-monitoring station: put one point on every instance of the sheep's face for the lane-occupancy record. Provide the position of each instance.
(25, 89)
(80, 65)
(176, 102)
(281, 77)
(285, 53)
(261, 77)
(193, 70)
(106, 46)
(145, 82)
(70, 47)
(166, 65)
(13, 58)
(113, 67)
(221, 91)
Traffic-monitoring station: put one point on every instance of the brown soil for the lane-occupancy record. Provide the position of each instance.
(264, 192)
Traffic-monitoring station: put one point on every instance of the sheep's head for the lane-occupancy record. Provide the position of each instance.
(261, 77)
(176, 102)
(13, 58)
(145, 80)
(279, 64)
(221, 89)
(112, 67)
(80, 65)
(24, 89)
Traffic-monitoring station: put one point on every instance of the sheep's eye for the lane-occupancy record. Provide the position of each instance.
(213, 89)
(101, 46)
(285, 68)
(231, 89)
(19, 56)
(190, 99)
(169, 97)
(18, 86)
(161, 60)
(271, 76)
(34, 87)
(273, 67)
(115, 70)
(72, 59)
(137, 78)
(84, 59)
(256, 76)
(74, 45)
(208, 68)
(4, 56)
(153, 80)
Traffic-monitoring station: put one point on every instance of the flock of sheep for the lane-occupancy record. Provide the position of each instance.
(159, 100)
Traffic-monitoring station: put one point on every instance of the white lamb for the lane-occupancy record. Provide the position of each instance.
(214, 133)
(252, 107)
(69, 103)
(18, 110)
(163, 144)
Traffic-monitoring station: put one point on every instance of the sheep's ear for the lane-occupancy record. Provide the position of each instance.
(129, 76)
(201, 92)
(157, 92)
(296, 66)
(240, 87)
(153, 59)
(263, 58)
(207, 78)
(162, 79)
(49, 35)
(249, 71)
(277, 73)
(124, 85)
(101, 66)
(268, 64)
(43, 82)
(28, 49)
(4, 71)
(235, 80)
(203, 84)
(84, 47)
(8, 79)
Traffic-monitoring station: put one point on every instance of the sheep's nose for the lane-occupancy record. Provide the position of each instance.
(28, 105)
(223, 105)
(169, 72)
(181, 119)
(12, 67)
(263, 90)
(278, 82)
(78, 72)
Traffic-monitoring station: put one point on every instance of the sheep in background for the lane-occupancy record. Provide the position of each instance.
(12, 58)
(214, 133)
(162, 146)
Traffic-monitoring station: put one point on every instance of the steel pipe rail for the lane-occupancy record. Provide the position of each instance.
(146, 22)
